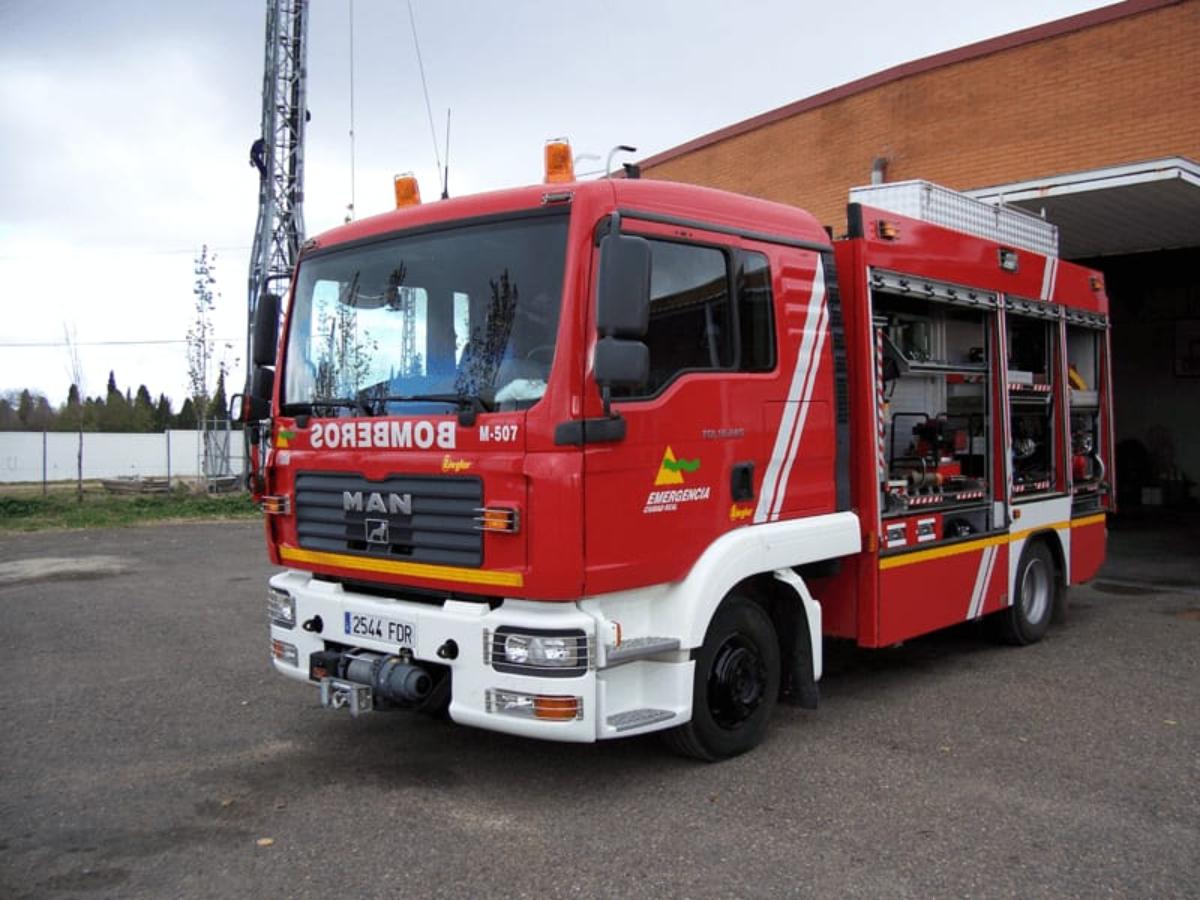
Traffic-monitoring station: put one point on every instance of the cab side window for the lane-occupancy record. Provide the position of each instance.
(756, 317)
(710, 310)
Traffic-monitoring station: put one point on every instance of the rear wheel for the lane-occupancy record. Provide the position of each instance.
(1026, 621)
(735, 686)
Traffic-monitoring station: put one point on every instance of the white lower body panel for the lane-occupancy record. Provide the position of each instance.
(627, 699)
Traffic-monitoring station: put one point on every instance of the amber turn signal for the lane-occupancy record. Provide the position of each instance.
(555, 707)
(498, 518)
(277, 504)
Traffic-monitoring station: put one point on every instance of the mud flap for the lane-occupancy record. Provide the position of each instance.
(802, 668)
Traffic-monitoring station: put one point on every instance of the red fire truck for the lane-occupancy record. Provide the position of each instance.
(593, 459)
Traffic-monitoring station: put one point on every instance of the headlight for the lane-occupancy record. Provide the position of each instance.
(281, 608)
(556, 653)
(524, 649)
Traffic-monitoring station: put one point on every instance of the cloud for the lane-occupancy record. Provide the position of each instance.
(140, 154)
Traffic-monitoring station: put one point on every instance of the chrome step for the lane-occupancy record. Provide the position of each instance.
(636, 718)
(636, 648)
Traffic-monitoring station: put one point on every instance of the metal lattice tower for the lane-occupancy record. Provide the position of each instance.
(280, 228)
(408, 332)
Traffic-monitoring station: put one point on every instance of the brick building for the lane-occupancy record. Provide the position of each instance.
(1092, 120)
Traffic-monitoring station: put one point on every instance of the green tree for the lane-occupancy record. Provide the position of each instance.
(164, 417)
(93, 413)
(25, 409)
(70, 414)
(42, 418)
(116, 415)
(218, 407)
(187, 416)
(8, 416)
(143, 410)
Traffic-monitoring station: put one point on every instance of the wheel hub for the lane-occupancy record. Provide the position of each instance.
(737, 682)
(1035, 591)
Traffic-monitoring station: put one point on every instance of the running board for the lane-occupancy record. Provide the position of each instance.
(638, 718)
(638, 648)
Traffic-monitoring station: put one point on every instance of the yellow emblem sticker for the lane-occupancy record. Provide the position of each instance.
(737, 513)
(455, 465)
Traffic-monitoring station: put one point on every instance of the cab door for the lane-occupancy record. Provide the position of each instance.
(698, 436)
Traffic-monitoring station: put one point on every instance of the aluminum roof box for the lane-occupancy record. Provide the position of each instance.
(938, 205)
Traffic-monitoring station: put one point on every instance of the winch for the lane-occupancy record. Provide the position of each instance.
(362, 682)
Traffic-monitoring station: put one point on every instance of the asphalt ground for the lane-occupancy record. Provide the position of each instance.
(147, 750)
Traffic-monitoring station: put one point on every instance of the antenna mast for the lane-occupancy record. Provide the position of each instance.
(279, 156)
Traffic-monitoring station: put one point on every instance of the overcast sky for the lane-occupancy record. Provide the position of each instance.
(125, 126)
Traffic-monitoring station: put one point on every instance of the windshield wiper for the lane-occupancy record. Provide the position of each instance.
(359, 404)
(469, 405)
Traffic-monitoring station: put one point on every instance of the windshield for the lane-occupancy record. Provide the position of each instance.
(467, 316)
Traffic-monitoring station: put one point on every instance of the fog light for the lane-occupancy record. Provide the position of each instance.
(550, 707)
(281, 608)
(285, 652)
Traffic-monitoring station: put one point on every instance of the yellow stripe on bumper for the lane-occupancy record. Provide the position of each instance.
(395, 567)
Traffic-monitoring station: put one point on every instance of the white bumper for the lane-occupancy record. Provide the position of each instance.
(608, 696)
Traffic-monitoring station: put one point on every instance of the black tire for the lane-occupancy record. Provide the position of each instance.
(1034, 594)
(736, 684)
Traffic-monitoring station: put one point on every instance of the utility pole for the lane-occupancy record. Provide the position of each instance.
(279, 157)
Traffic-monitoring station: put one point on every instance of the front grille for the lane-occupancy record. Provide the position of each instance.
(429, 519)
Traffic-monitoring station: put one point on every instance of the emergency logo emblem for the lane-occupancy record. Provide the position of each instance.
(670, 475)
(670, 470)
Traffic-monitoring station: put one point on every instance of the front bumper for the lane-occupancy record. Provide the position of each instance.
(608, 697)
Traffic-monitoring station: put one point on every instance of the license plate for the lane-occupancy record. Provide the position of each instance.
(380, 628)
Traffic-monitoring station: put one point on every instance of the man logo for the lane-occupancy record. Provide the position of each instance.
(396, 504)
(376, 531)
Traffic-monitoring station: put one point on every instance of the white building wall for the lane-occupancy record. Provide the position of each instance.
(105, 455)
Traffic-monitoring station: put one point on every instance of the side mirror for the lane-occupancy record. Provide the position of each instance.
(621, 363)
(256, 405)
(266, 329)
(623, 288)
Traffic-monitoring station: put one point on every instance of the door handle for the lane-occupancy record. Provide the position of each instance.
(741, 481)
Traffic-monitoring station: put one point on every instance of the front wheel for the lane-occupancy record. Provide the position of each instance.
(735, 686)
(1026, 621)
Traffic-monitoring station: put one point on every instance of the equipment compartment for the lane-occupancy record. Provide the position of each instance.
(933, 398)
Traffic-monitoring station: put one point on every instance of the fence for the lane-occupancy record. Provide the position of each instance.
(50, 456)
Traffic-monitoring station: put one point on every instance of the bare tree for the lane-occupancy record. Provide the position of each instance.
(344, 362)
(200, 343)
(75, 370)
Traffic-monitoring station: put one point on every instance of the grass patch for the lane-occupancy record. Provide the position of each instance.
(100, 510)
